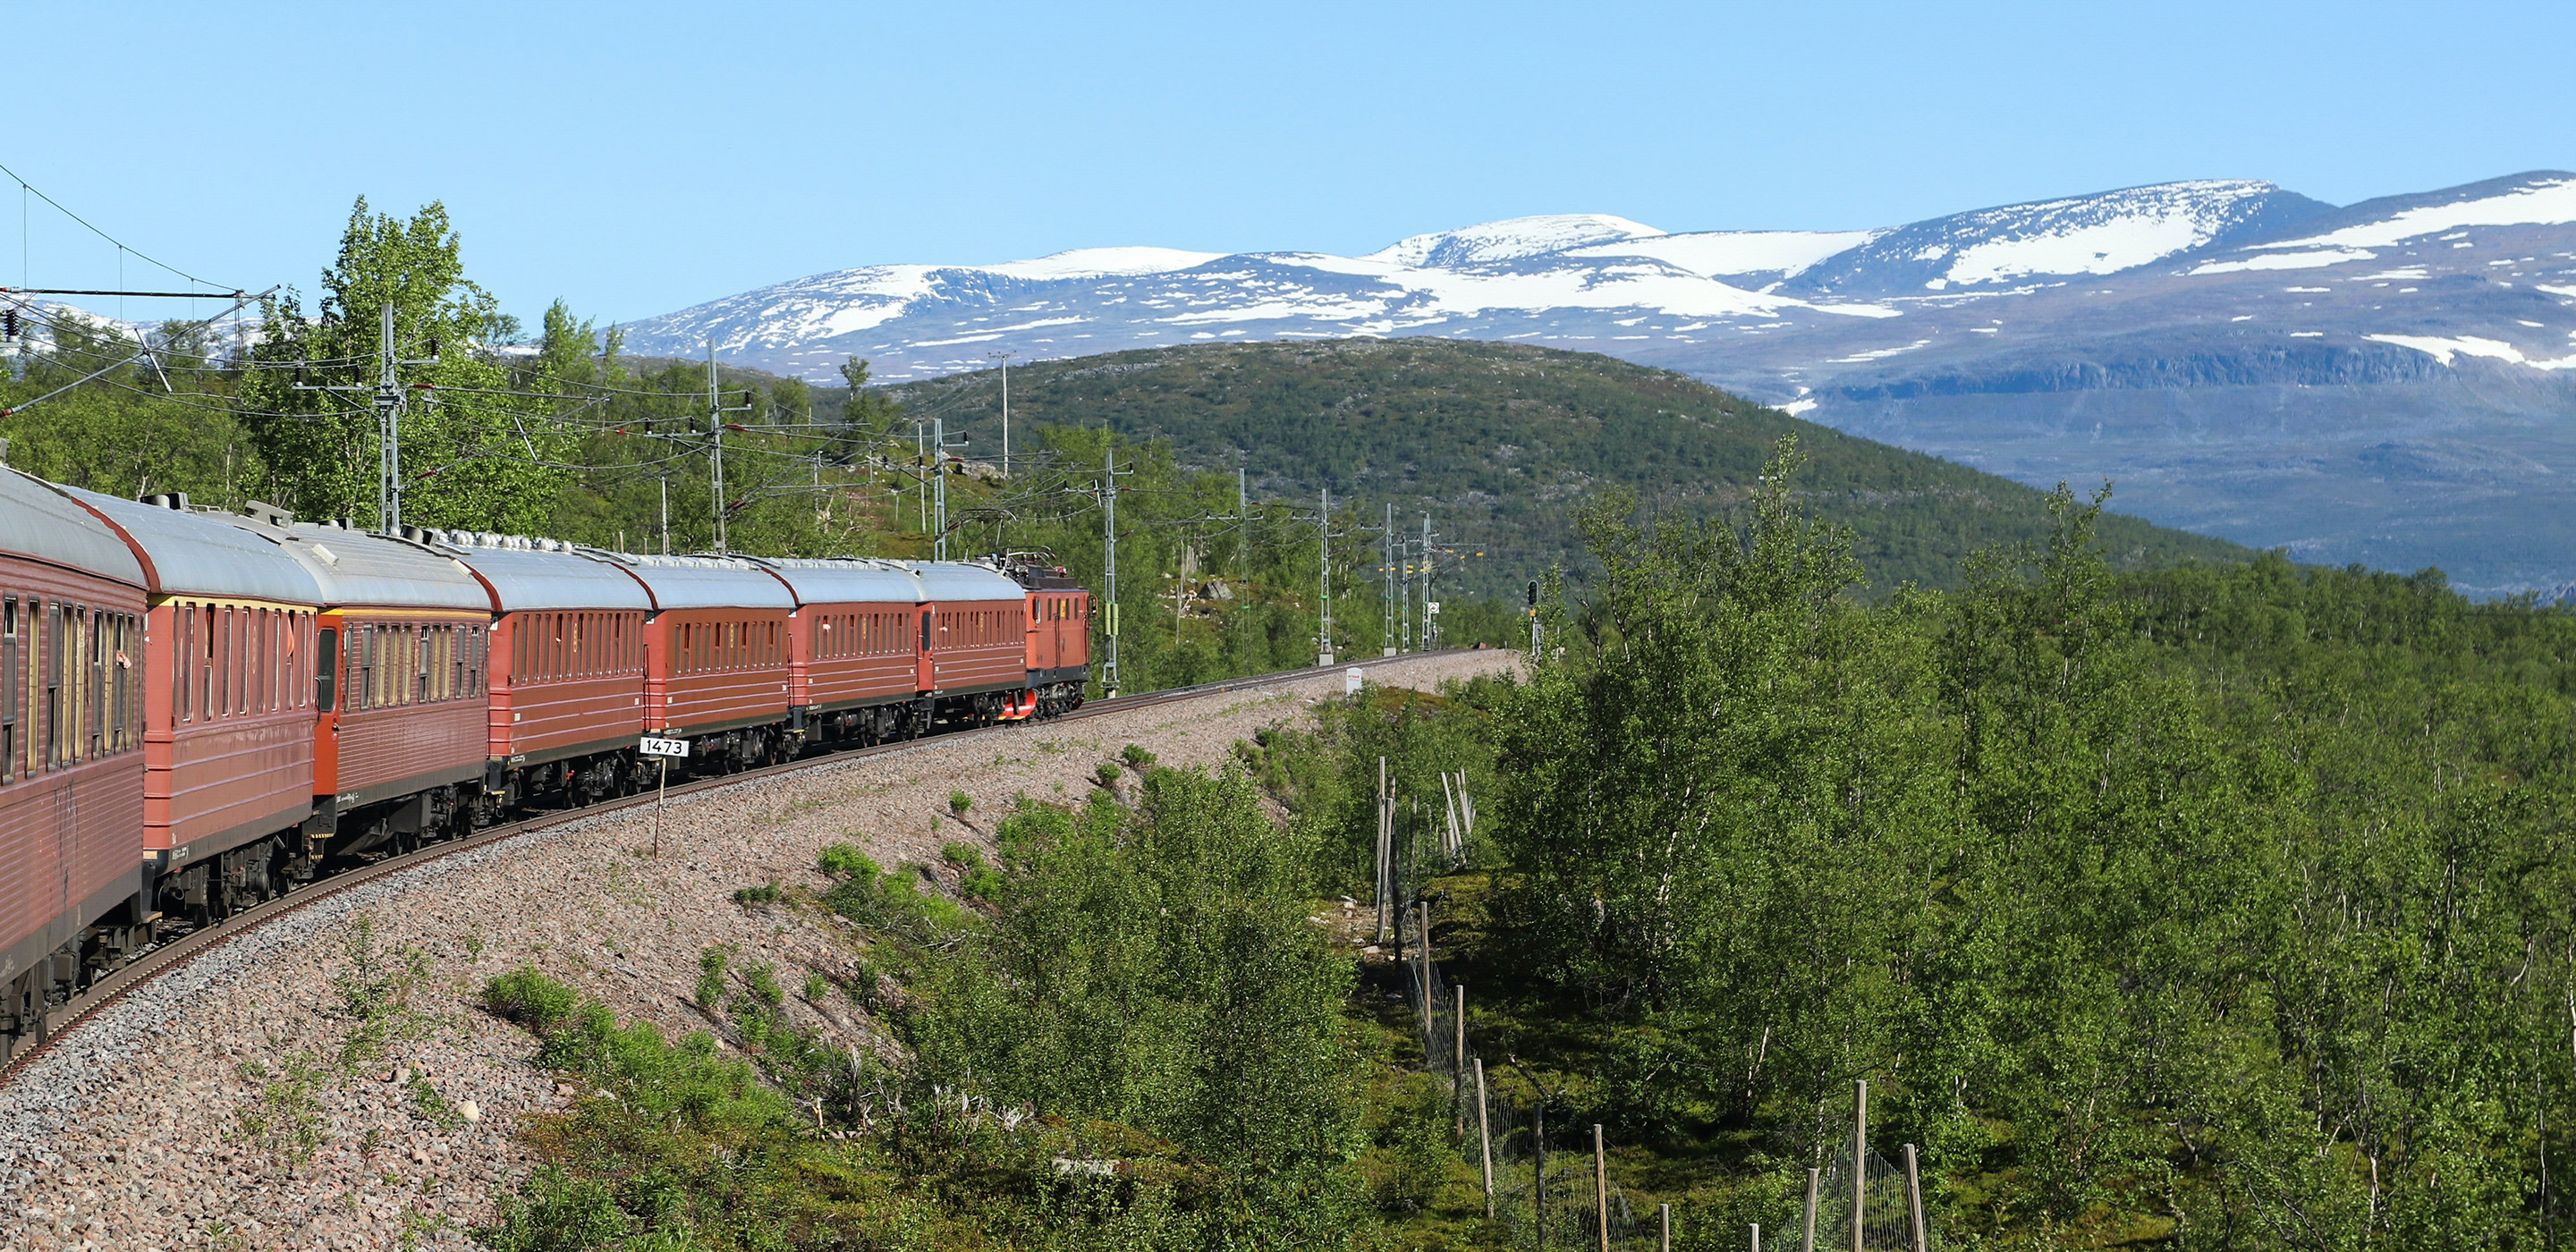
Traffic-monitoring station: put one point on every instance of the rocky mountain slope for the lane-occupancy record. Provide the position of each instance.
(2383, 383)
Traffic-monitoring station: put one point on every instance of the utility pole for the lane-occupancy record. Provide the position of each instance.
(388, 402)
(1533, 620)
(716, 427)
(389, 411)
(1404, 590)
(388, 431)
(939, 476)
(1324, 545)
(1109, 474)
(1005, 359)
(1386, 582)
(1430, 607)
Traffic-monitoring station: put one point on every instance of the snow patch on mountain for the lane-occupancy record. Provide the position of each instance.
(2285, 261)
(2548, 202)
(2443, 349)
(1719, 253)
(2080, 235)
(1103, 263)
(1511, 240)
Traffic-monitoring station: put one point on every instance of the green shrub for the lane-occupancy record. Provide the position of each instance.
(757, 895)
(1136, 755)
(1107, 773)
(816, 988)
(711, 976)
(962, 854)
(844, 860)
(897, 904)
(764, 983)
(959, 802)
(526, 996)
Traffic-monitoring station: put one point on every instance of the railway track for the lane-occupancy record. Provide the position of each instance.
(176, 954)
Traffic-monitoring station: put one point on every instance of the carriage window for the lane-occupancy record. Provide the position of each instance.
(94, 710)
(8, 689)
(53, 663)
(326, 670)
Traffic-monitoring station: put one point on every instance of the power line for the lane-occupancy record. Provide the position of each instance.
(25, 190)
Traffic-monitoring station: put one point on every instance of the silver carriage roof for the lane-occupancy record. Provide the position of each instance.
(846, 580)
(201, 554)
(702, 582)
(42, 523)
(526, 574)
(356, 567)
(959, 580)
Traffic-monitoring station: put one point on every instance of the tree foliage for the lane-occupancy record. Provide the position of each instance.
(471, 456)
(2226, 906)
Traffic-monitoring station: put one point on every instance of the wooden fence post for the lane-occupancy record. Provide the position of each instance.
(1385, 846)
(1600, 1187)
(1484, 1139)
(1914, 1200)
(1860, 1159)
(1807, 1235)
(1458, 1062)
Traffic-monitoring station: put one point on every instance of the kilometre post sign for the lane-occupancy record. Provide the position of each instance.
(663, 747)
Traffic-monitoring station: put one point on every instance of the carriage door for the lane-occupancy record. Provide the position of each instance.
(924, 658)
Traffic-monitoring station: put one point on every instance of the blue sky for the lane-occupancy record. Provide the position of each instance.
(641, 157)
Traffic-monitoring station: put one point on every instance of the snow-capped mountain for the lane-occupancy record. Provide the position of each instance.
(2020, 244)
(2238, 357)
(1577, 277)
(1529, 276)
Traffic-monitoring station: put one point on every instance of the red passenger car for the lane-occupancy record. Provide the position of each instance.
(71, 762)
(230, 652)
(853, 669)
(403, 731)
(715, 656)
(567, 670)
(976, 635)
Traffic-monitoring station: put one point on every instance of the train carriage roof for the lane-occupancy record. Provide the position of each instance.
(702, 582)
(356, 568)
(39, 522)
(529, 574)
(201, 554)
(957, 580)
(847, 581)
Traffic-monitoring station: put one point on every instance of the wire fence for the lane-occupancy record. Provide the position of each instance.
(1544, 1176)
(1542, 1168)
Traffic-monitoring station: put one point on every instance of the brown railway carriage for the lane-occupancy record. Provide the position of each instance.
(975, 633)
(715, 655)
(853, 655)
(229, 650)
(567, 668)
(72, 887)
(402, 728)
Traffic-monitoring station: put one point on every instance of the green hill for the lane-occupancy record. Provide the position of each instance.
(1497, 440)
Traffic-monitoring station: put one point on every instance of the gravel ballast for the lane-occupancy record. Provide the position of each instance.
(222, 1105)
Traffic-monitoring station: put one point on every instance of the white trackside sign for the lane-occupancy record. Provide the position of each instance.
(663, 747)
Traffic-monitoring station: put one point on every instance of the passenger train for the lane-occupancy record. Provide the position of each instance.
(201, 710)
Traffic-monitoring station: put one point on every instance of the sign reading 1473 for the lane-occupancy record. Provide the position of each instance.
(663, 747)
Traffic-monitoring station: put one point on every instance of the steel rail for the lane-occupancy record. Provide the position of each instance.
(68, 1016)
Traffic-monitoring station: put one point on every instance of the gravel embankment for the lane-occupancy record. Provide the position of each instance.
(172, 1119)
